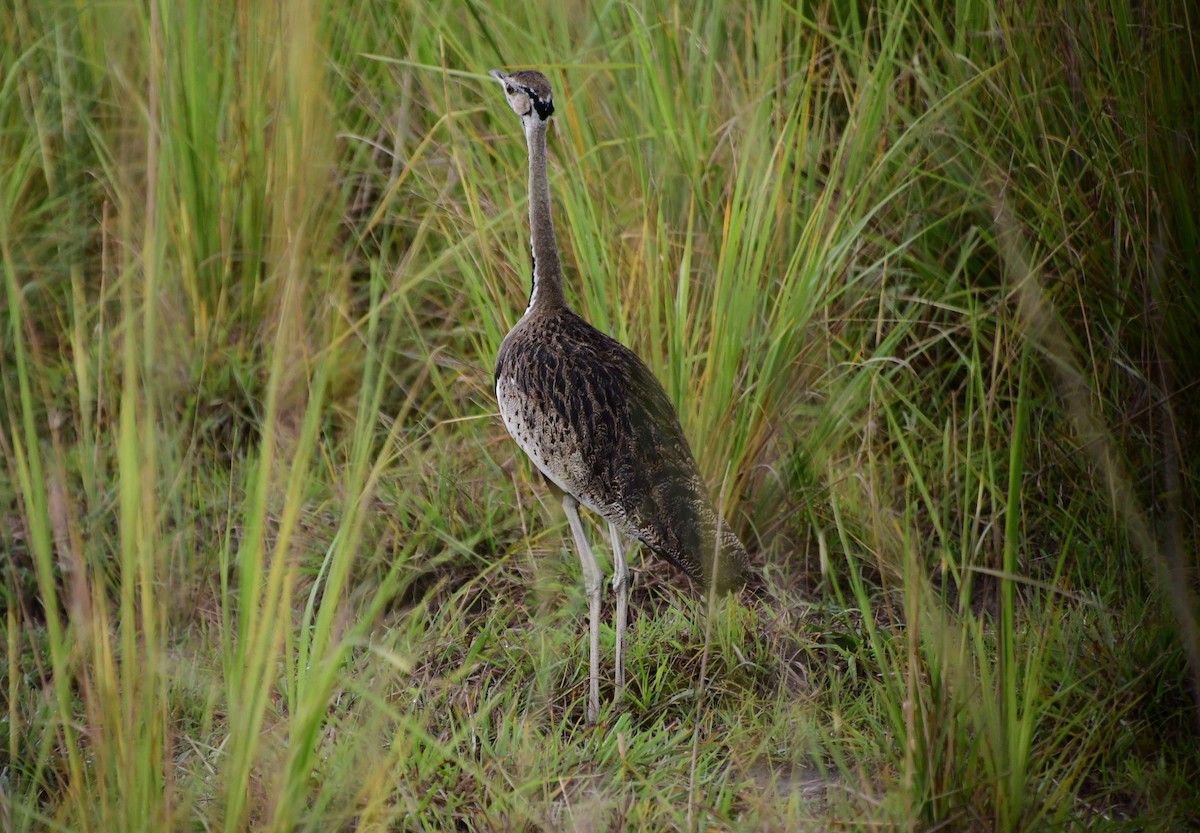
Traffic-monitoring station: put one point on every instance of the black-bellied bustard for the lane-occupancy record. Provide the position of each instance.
(596, 422)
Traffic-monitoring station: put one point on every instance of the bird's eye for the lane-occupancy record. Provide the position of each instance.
(508, 88)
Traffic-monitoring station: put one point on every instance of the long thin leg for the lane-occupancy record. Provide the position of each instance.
(621, 589)
(591, 583)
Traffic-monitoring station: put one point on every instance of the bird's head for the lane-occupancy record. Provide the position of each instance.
(528, 93)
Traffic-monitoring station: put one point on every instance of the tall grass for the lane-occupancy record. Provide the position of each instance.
(917, 276)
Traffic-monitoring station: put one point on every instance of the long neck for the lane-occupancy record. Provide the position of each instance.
(547, 291)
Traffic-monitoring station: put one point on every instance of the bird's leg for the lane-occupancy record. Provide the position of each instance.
(621, 589)
(591, 583)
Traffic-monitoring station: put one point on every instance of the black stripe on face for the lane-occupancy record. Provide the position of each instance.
(544, 108)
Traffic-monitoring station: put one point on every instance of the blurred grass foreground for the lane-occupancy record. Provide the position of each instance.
(920, 277)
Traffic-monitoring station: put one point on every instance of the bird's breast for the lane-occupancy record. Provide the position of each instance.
(542, 431)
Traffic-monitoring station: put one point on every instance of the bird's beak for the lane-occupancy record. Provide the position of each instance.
(498, 75)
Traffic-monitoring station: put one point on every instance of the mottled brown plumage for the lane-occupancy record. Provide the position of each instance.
(595, 421)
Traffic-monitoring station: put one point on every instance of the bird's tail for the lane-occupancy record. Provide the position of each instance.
(727, 565)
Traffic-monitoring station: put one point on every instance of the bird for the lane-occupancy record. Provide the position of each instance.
(598, 425)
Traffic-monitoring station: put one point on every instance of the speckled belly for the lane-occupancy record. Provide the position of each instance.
(548, 439)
